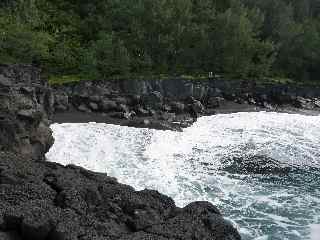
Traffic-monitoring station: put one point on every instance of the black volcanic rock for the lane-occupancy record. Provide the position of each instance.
(174, 95)
(24, 110)
(40, 200)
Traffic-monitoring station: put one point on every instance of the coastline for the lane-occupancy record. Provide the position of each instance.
(228, 107)
(43, 200)
(47, 201)
(173, 104)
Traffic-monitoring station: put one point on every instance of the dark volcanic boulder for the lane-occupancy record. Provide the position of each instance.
(94, 106)
(83, 108)
(195, 107)
(108, 105)
(24, 111)
(198, 220)
(178, 107)
(304, 103)
(41, 200)
(214, 102)
(153, 100)
(141, 111)
(61, 102)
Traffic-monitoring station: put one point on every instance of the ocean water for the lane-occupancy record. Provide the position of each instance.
(261, 169)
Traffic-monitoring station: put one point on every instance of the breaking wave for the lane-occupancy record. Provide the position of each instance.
(261, 169)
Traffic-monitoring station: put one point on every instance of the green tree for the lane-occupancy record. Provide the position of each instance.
(20, 42)
(300, 55)
(244, 38)
(238, 51)
(105, 57)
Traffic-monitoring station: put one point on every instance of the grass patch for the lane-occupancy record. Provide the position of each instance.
(72, 78)
(64, 79)
(279, 80)
(311, 83)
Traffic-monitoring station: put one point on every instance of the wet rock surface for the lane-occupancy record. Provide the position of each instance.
(40, 200)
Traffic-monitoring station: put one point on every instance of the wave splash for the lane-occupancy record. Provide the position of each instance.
(261, 169)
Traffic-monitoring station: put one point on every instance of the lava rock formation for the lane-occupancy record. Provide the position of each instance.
(40, 200)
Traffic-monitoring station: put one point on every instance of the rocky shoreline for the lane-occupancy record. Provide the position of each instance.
(173, 104)
(40, 200)
(43, 200)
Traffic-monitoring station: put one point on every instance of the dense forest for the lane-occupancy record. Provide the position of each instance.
(108, 38)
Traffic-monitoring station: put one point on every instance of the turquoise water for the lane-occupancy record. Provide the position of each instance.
(261, 169)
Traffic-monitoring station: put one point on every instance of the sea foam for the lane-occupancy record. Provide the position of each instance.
(191, 165)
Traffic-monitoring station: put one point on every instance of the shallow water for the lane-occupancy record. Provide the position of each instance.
(261, 169)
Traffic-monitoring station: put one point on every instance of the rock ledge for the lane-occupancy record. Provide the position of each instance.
(40, 200)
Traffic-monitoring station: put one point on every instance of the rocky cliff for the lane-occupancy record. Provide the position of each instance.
(46, 201)
(143, 102)
(25, 105)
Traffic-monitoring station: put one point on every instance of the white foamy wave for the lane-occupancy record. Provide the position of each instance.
(188, 166)
(315, 232)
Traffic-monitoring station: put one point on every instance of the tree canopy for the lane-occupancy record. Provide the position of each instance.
(107, 38)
